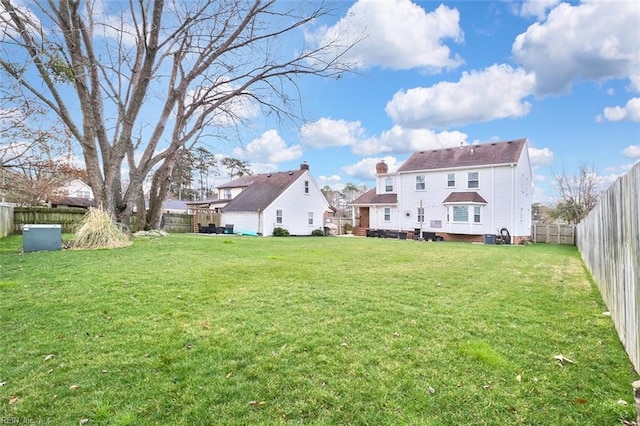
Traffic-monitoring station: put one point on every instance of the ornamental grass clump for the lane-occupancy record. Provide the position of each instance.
(98, 230)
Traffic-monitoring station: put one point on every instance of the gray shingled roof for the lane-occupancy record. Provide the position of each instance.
(370, 197)
(260, 190)
(507, 152)
(464, 197)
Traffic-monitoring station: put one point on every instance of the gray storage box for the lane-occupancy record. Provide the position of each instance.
(489, 238)
(41, 238)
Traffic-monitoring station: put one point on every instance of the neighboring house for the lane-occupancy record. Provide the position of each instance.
(75, 193)
(457, 193)
(262, 202)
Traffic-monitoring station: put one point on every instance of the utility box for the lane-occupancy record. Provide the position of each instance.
(41, 238)
(489, 238)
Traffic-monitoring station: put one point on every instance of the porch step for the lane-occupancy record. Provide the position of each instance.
(359, 231)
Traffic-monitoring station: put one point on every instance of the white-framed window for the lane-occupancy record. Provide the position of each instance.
(420, 214)
(460, 213)
(387, 214)
(473, 180)
(306, 186)
(451, 180)
(464, 214)
(388, 185)
(227, 194)
(310, 218)
(421, 184)
(279, 216)
(83, 194)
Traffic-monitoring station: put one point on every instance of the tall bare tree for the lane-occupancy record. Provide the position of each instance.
(578, 193)
(136, 81)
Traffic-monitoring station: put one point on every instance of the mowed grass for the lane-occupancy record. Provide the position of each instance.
(204, 330)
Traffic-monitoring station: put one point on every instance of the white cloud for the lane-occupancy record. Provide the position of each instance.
(365, 169)
(333, 181)
(400, 140)
(395, 34)
(593, 40)
(494, 93)
(540, 157)
(268, 148)
(537, 8)
(631, 111)
(327, 132)
(632, 151)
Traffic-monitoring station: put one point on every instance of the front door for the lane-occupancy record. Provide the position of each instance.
(364, 217)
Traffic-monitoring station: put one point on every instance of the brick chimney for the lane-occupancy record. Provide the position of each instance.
(381, 167)
(304, 166)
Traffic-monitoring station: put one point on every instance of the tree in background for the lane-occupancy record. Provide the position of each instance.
(149, 78)
(35, 155)
(205, 164)
(340, 199)
(235, 168)
(578, 194)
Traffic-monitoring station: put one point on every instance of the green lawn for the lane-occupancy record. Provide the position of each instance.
(203, 330)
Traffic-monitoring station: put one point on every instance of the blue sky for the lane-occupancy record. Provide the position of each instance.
(429, 75)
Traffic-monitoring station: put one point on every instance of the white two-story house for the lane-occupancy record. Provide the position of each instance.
(460, 193)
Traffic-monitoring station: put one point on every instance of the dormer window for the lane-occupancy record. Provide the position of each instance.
(388, 185)
(227, 194)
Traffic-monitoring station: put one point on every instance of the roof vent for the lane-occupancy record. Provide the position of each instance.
(461, 145)
(269, 175)
(290, 173)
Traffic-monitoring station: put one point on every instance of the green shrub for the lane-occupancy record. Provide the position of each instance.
(317, 233)
(347, 227)
(280, 232)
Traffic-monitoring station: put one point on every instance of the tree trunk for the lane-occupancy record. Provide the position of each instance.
(159, 190)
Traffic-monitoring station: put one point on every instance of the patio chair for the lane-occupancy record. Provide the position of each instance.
(228, 229)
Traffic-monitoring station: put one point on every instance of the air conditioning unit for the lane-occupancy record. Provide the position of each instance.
(41, 238)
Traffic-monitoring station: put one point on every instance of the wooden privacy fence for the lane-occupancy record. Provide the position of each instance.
(71, 218)
(609, 243)
(554, 234)
(6, 220)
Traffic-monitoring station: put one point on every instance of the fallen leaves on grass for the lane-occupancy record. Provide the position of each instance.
(431, 390)
(48, 357)
(74, 387)
(581, 401)
(13, 400)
